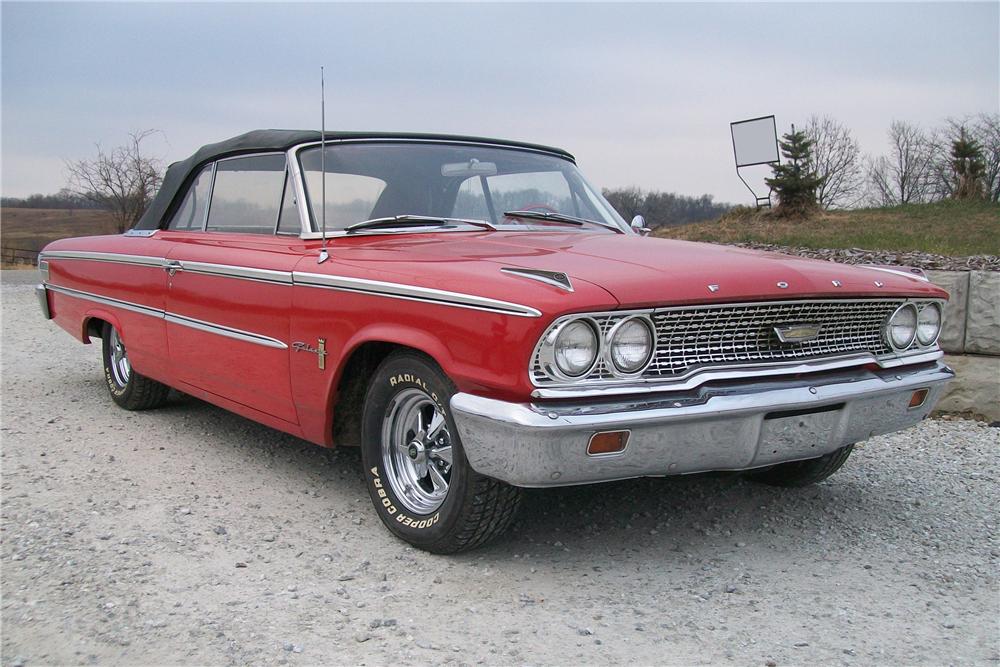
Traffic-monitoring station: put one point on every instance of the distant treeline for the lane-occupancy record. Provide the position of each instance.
(64, 199)
(664, 209)
(660, 209)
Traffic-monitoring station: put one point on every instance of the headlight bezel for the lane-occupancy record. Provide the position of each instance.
(609, 344)
(931, 305)
(547, 351)
(887, 327)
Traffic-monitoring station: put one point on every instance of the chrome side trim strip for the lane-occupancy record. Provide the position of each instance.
(232, 271)
(228, 332)
(201, 325)
(207, 268)
(377, 287)
(413, 293)
(108, 301)
(736, 373)
(114, 257)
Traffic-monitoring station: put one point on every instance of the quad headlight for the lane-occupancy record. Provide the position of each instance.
(901, 327)
(630, 344)
(621, 347)
(575, 348)
(929, 324)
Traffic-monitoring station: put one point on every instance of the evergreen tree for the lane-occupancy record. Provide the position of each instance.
(968, 164)
(795, 182)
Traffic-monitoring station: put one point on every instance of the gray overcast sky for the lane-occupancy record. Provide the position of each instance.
(642, 94)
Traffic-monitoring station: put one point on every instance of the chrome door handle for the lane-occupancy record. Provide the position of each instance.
(172, 267)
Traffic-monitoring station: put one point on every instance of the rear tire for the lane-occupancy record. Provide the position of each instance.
(421, 484)
(128, 389)
(802, 473)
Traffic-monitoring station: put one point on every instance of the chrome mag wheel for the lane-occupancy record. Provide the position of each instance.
(120, 367)
(416, 451)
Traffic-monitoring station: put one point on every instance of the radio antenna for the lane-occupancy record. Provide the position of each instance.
(323, 254)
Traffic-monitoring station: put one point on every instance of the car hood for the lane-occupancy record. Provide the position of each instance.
(644, 271)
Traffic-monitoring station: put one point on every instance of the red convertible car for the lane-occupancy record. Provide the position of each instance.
(477, 318)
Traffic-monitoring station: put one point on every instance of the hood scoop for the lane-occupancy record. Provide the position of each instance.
(554, 278)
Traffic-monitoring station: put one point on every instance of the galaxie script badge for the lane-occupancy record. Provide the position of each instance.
(320, 351)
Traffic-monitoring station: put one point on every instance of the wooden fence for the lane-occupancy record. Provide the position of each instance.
(11, 255)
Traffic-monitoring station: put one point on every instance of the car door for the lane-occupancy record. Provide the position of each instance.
(229, 289)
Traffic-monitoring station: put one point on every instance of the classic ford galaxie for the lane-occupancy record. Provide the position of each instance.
(477, 318)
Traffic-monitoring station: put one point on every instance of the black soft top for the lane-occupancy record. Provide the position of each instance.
(179, 173)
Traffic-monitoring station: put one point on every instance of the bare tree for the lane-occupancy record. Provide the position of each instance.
(629, 202)
(903, 176)
(835, 158)
(940, 176)
(986, 130)
(982, 129)
(123, 180)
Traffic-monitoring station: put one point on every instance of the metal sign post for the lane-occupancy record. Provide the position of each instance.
(755, 142)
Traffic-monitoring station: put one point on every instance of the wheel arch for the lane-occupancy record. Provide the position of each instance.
(350, 383)
(93, 322)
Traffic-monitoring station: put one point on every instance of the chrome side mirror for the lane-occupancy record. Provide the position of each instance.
(639, 226)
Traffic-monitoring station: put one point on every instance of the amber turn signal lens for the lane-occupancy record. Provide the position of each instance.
(918, 398)
(607, 442)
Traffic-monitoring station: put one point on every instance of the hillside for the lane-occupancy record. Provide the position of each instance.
(951, 228)
(25, 231)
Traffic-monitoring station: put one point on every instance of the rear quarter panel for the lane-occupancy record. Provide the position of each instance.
(143, 285)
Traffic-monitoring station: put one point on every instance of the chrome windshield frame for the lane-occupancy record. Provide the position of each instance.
(305, 217)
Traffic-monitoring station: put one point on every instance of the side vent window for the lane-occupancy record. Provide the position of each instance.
(246, 197)
(288, 219)
(191, 214)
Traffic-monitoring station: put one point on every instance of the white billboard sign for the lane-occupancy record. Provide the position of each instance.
(755, 141)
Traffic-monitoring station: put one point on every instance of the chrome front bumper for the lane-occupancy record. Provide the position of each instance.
(728, 427)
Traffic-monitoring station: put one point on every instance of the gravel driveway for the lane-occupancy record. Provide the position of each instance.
(191, 535)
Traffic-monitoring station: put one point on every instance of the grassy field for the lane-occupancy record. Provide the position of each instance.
(946, 228)
(25, 231)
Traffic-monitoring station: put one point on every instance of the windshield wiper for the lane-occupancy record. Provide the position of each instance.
(415, 221)
(560, 217)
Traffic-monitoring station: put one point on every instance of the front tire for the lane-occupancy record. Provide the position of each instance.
(802, 473)
(128, 389)
(421, 484)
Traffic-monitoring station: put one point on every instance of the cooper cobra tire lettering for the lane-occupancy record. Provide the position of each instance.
(474, 509)
(112, 387)
(136, 391)
(391, 508)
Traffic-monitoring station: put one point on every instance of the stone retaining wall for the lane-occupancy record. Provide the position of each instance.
(972, 314)
(971, 337)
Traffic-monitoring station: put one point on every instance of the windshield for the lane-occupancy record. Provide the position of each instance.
(367, 181)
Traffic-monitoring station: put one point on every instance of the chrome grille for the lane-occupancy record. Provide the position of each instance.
(695, 337)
